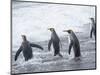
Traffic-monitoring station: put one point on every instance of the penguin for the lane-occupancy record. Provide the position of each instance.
(26, 48)
(93, 28)
(55, 41)
(74, 42)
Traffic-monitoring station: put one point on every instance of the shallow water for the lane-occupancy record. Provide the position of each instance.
(45, 61)
(34, 19)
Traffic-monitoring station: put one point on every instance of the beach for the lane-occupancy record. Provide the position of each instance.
(33, 20)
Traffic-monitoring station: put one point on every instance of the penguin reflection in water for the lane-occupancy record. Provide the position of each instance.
(26, 48)
(55, 41)
(74, 42)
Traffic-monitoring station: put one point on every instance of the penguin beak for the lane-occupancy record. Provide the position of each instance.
(51, 29)
(65, 30)
(48, 28)
(23, 35)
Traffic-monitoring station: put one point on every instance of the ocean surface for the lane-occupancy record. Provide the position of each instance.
(34, 19)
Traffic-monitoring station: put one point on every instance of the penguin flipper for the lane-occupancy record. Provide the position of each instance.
(91, 33)
(49, 44)
(70, 46)
(17, 53)
(37, 46)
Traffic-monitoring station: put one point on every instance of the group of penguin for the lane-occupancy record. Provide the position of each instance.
(26, 46)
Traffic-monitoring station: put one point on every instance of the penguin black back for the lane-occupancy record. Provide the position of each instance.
(93, 28)
(74, 43)
(55, 41)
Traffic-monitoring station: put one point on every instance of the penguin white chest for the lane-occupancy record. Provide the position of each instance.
(69, 38)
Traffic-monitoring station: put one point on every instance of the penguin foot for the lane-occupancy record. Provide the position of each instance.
(59, 55)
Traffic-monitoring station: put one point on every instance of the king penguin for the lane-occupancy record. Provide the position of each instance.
(74, 42)
(93, 28)
(55, 41)
(26, 48)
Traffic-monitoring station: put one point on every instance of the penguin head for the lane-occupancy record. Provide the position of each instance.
(69, 31)
(92, 18)
(23, 37)
(51, 29)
